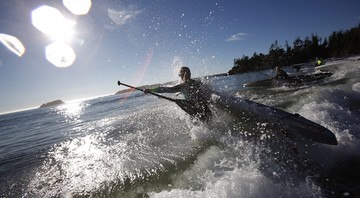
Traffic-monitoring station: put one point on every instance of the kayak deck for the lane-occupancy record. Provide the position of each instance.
(291, 81)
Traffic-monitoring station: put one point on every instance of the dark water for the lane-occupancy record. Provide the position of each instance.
(134, 145)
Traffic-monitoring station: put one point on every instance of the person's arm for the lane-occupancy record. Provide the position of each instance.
(174, 89)
(284, 74)
(281, 75)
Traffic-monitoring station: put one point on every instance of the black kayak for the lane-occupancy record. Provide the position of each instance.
(291, 81)
(292, 125)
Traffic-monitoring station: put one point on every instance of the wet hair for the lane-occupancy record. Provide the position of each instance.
(186, 71)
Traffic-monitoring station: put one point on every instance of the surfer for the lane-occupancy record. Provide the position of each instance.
(280, 74)
(193, 92)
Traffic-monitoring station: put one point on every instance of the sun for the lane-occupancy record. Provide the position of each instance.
(51, 22)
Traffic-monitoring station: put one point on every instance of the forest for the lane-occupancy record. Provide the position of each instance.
(339, 44)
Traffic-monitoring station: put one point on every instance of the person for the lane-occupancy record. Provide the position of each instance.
(280, 74)
(319, 62)
(193, 92)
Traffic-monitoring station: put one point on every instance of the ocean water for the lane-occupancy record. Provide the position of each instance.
(135, 145)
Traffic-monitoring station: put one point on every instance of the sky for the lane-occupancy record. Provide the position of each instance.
(51, 50)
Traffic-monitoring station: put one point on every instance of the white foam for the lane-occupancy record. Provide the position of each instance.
(242, 182)
(356, 87)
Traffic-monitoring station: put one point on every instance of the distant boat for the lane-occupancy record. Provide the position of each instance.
(292, 81)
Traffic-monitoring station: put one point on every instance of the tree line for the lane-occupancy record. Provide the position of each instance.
(338, 45)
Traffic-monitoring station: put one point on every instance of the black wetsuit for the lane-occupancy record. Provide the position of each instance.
(193, 92)
(281, 75)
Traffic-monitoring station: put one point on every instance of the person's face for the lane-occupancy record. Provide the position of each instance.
(182, 74)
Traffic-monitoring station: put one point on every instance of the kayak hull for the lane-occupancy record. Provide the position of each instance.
(293, 125)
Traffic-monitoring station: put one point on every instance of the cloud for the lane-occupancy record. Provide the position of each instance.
(121, 17)
(237, 37)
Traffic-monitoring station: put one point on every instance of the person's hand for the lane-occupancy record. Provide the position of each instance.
(146, 91)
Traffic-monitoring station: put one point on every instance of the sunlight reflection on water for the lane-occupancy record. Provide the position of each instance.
(72, 110)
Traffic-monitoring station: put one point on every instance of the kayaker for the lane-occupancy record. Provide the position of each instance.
(319, 62)
(280, 74)
(192, 90)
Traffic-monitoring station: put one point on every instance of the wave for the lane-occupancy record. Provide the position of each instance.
(119, 97)
(117, 174)
(138, 158)
(149, 147)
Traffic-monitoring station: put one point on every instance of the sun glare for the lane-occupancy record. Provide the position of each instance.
(78, 7)
(60, 54)
(13, 44)
(51, 22)
(72, 110)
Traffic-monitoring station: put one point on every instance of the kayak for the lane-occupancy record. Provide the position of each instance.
(297, 80)
(292, 125)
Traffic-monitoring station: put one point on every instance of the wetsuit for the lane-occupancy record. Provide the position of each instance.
(281, 74)
(192, 91)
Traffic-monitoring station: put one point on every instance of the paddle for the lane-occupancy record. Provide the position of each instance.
(265, 74)
(185, 105)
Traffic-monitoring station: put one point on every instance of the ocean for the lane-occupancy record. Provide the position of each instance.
(136, 145)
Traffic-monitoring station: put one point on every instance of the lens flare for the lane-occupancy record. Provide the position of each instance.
(51, 22)
(13, 44)
(78, 7)
(60, 54)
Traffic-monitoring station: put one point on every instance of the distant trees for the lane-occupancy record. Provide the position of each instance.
(338, 44)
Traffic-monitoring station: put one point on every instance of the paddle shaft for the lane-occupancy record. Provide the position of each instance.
(202, 112)
(265, 74)
(155, 94)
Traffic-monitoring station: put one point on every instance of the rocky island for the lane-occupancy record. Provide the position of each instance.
(52, 103)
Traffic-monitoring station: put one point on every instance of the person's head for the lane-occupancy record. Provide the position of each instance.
(185, 74)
